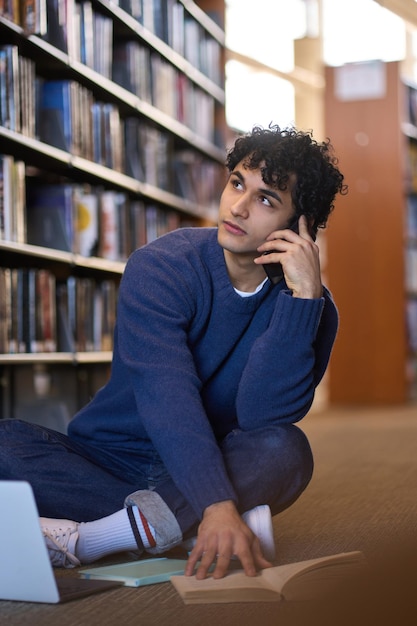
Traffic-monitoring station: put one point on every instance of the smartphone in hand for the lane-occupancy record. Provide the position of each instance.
(274, 271)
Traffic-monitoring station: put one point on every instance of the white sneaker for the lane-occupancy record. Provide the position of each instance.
(60, 537)
(259, 521)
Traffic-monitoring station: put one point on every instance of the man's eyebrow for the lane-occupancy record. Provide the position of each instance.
(265, 192)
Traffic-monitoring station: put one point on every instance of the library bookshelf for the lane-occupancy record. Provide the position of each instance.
(372, 237)
(112, 132)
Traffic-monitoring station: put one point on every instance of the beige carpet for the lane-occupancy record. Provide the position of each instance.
(363, 497)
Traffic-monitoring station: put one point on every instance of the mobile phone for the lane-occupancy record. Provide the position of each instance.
(274, 271)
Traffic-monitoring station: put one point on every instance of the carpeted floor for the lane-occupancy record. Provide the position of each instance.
(363, 497)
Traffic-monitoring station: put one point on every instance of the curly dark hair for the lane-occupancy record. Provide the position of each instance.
(281, 153)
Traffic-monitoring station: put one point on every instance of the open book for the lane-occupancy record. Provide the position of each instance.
(296, 581)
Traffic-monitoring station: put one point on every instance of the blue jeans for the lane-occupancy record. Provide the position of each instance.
(80, 482)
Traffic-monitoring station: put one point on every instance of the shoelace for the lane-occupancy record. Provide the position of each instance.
(60, 548)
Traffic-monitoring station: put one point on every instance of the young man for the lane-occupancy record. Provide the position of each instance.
(194, 435)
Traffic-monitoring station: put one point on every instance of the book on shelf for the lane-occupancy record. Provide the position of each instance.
(56, 113)
(164, 85)
(10, 101)
(27, 311)
(147, 15)
(305, 580)
(196, 178)
(193, 35)
(411, 315)
(138, 224)
(33, 17)
(160, 18)
(86, 313)
(27, 84)
(50, 216)
(64, 116)
(59, 17)
(5, 310)
(132, 68)
(177, 22)
(412, 105)
(12, 199)
(411, 220)
(133, 7)
(412, 165)
(103, 40)
(46, 310)
(86, 43)
(40, 314)
(16, 286)
(156, 156)
(82, 127)
(3, 89)
(105, 318)
(65, 333)
(112, 138)
(109, 247)
(92, 222)
(107, 136)
(17, 91)
(411, 269)
(134, 153)
(86, 231)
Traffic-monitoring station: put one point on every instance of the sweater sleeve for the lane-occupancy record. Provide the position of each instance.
(287, 362)
(156, 305)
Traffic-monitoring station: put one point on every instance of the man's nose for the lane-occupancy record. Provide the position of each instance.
(240, 207)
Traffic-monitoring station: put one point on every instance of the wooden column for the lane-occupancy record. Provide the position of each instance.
(365, 245)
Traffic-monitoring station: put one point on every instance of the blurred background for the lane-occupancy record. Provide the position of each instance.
(346, 70)
(150, 93)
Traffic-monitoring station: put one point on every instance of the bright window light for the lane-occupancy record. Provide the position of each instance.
(361, 30)
(255, 97)
(265, 30)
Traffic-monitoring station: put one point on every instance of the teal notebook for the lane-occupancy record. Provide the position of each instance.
(138, 573)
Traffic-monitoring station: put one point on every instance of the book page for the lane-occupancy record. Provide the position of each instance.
(235, 587)
(303, 580)
(306, 579)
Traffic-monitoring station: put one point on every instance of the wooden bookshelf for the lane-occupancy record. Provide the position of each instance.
(147, 147)
(370, 240)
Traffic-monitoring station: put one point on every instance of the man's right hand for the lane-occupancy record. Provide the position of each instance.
(222, 534)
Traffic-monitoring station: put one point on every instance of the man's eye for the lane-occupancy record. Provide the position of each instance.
(265, 200)
(236, 183)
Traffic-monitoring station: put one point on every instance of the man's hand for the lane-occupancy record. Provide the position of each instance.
(221, 535)
(299, 257)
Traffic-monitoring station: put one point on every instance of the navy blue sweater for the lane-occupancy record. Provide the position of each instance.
(193, 360)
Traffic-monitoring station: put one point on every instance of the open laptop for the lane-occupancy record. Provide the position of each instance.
(26, 572)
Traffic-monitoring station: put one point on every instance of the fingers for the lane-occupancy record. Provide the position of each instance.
(206, 561)
(193, 559)
(218, 563)
(303, 228)
(223, 534)
(260, 561)
(222, 565)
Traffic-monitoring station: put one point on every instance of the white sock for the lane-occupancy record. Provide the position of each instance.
(109, 535)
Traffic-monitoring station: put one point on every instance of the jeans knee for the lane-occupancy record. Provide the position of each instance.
(299, 465)
(272, 465)
(302, 455)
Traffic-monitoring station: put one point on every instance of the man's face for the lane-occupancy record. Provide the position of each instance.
(250, 210)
